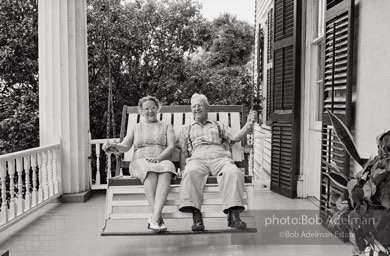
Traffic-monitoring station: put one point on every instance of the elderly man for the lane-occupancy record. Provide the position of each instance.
(205, 151)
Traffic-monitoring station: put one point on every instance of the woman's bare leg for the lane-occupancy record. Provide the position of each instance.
(150, 185)
(162, 190)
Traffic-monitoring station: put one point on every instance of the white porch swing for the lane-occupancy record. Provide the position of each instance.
(126, 203)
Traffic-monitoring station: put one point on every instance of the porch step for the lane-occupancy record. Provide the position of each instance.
(140, 189)
(174, 189)
(169, 202)
(125, 180)
(174, 215)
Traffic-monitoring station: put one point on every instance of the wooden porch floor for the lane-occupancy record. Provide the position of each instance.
(74, 229)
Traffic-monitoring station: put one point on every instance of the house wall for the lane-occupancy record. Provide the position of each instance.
(264, 161)
(371, 82)
(372, 73)
(262, 8)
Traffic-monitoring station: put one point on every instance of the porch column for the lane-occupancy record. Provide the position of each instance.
(63, 87)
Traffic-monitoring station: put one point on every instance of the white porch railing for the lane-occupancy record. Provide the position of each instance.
(29, 179)
(99, 164)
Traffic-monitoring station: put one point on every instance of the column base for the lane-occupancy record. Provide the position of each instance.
(81, 197)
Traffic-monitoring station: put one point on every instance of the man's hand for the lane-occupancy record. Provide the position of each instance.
(251, 116)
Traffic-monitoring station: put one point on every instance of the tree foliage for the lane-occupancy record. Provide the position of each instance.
(18, 75)
(166, 49)
(163, 48)
(144, 43)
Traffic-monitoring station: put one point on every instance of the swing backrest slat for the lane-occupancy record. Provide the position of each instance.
(232, 115)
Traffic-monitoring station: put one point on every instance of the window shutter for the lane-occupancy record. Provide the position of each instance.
(269, 92)
(285, 97)
(337, 91)
(270, 34)
(257, 97)
(270, 42)
(260, 50)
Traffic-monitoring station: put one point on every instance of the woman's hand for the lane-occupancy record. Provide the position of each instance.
(153, 160)
(110, 148)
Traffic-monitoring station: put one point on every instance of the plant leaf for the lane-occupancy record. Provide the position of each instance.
(345, 137)
(351, 184)
(353, 222)
(357, 194)
(359, 239)
(385, 196)
(338, 179)
(333, 220)
(333, 167)
(369, 189)
(379, 175)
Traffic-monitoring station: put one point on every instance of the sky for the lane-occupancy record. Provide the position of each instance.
(243, 9)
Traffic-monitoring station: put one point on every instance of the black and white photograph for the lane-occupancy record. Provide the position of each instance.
(194, 127)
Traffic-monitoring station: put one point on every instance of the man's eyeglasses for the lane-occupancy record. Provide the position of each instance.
(151, 108)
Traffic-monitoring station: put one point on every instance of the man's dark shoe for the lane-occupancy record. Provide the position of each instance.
(234, 220)
(198, 221)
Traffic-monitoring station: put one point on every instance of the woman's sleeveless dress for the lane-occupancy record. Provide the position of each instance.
(150, 139)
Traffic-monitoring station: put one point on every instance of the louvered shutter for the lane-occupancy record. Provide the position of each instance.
(269, 92)
(285, 96)
(270, 34)
(260, 58)
(270, 39)
(260, 49)
(337, 91)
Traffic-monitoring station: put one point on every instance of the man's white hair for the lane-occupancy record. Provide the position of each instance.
(201, 97)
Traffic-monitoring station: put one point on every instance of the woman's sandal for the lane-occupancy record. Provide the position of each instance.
(163, 227)
(153, 225)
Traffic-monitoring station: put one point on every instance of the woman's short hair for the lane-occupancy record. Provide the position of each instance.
(201, 97)
(147, 98)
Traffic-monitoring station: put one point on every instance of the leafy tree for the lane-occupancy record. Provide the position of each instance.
(222, 68)
(19, 125)
(141, 45)
(232, 41)
(157, 47)
(167, 49)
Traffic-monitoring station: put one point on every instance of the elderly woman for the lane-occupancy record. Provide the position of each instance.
(153, 142)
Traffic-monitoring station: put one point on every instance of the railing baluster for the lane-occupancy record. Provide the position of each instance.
(55, 171)
(45, 185)
(50, 173)
(27, 197)
(4, 208)
(34, 194)
(97, 150)
(19, 200)
(11, 173)
(40, 188)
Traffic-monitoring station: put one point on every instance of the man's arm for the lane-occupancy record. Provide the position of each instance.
(245, 129)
